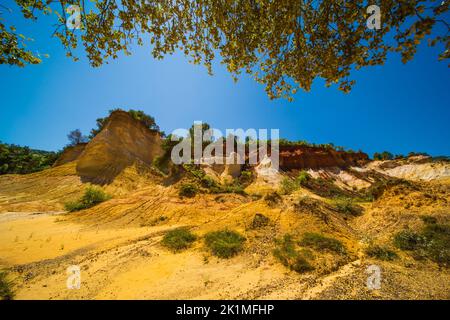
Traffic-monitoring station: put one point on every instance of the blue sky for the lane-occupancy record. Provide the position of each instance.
(395, 107)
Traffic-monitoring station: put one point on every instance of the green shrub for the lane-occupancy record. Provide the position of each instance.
(188, 190)
(178, 239)
(301, 264)
(23, 160)
(303, 177)
(288, 185)
(347, 206)
(231, 188)
(259, 221)
(385, 155)
(92, 196)
(433, 242)
(318, 241)
(272, 198)
(286, 253)
(6, 291)
(429, 220)
(208, 182)
(225, 243)
(381, 253)
(408, 240)
(437, 238)
(246, 177)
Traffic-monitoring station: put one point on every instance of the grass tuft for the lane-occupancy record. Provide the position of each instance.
(321, 242)
(224, 243)
(188, 190)
(6, 291)
(178, 239)
(381, 253)
(92, 196)
(286, 253)
(433, 242)
(347, 206)
(272, 199)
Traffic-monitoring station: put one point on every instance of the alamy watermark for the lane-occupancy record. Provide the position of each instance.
(210, 146)
(374, 278)
(74, 20)
(374, 21)
(74, 277)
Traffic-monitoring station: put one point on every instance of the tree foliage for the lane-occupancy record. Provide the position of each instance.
(283, 44)
(13, 49)
(17, 159)
(385, 155)
(75, 137)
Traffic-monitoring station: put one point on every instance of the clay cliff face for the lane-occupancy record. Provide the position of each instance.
(123, 142)
(302, 157)
(70, 154)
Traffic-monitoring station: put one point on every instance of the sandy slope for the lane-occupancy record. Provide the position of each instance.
(116, 244)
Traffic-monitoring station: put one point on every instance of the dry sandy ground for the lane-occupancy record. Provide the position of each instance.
(129, 263)
(117, 245)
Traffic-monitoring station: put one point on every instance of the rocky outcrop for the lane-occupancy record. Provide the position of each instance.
(225, 170)
(412, 168)
(70, 154)
(266, 173)
(123, 142)
(306, 157)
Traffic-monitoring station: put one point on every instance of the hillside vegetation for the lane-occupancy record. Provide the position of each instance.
(22, 160)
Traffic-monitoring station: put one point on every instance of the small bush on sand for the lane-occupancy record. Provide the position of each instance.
(321, 242)
(288, 185)
(92, 196)
(286, 253)
(437, 239)
(381, 253)
(6, 291)
(259, 221)
(246, 177)
(303, 177)
(272, 199)
(429, 220)
(408, 240)
(433, 242)
(178, 239)
(188, 190)
(347, 206)
(225, 243)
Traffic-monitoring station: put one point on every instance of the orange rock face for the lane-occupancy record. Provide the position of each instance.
(301, 157)
(124, 141)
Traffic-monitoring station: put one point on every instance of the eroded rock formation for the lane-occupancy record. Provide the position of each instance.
(124, 141)
(70, 154)
(304, 157)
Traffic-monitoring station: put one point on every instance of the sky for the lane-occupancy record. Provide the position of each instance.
(395, 107)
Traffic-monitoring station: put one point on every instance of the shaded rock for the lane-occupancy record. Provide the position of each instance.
(224, 169)
(266, 173)
(70, 153)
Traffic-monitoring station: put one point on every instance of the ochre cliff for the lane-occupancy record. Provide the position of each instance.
(122, 142)
(301, 157)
